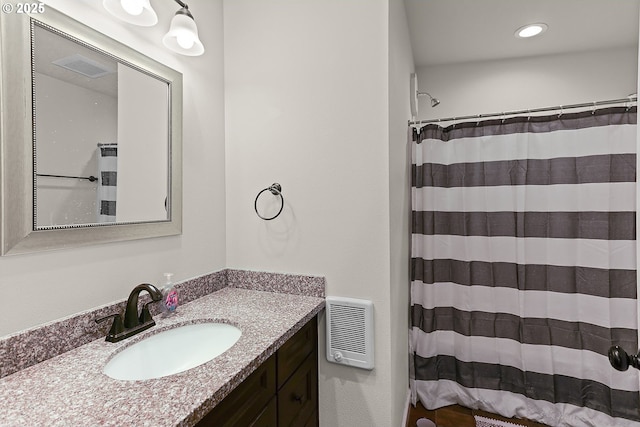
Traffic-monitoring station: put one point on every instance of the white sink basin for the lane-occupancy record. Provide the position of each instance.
(172, 351)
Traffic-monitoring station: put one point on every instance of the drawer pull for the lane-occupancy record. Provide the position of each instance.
(296, 398)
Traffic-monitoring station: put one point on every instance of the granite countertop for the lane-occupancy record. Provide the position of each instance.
(71, 390)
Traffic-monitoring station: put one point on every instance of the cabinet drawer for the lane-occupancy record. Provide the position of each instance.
(296, 349)
(298, 397)
(244, 404)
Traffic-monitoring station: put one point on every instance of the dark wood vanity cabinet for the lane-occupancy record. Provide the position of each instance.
(282, 392)
(297, 378)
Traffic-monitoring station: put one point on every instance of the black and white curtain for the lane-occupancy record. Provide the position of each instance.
(524, 267)
(108, 182)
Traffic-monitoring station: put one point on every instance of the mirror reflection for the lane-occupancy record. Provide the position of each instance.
(101, 136)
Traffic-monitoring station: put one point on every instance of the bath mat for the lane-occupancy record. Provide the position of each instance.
(488, 422)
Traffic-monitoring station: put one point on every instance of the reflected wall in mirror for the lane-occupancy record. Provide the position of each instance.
(91, 138)
(101, 155)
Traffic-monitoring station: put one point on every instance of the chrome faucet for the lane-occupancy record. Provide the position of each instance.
(133, 323)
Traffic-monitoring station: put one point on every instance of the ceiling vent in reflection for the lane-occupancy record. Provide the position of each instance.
(82, 65)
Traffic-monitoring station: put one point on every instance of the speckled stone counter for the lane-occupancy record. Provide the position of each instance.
(71, 390)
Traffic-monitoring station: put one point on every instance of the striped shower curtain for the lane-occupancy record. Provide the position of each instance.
(108, 181)
(524, 267)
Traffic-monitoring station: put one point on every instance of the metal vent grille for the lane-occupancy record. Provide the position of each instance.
(82, 65)
(347, 328)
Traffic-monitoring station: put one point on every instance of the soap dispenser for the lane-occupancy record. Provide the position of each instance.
(169, 295)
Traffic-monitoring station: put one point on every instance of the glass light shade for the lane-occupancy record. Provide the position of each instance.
(182, 37)
(137, 12)
(133, 7)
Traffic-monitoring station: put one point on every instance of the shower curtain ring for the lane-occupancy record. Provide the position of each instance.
(276, 190)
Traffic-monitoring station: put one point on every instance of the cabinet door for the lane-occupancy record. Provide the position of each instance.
(313, 420)
(296, 349)
(268, 417)
(298, 398)
(245, 404)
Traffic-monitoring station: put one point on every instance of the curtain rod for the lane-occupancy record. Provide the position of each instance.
(594, 104)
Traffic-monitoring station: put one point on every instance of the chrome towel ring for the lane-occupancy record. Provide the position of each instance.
(276, 190)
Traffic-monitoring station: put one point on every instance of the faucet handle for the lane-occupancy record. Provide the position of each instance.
(116, 327)
(145, 314)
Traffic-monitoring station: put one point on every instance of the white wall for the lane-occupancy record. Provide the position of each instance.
(143, 142)
(517, 84)
(46, 286)
(68, 147)
(400, 69)
(307, 98)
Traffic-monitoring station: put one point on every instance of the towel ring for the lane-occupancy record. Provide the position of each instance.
(276, 190)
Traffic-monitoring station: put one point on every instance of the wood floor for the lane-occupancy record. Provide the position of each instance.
(458, 416)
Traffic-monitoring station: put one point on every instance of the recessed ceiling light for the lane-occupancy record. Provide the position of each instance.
(531, 30)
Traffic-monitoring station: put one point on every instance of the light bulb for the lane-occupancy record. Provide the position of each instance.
(133, 7)
(531, 30)
(185, 40)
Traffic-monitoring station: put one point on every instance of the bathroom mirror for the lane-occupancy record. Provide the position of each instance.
(91, 137)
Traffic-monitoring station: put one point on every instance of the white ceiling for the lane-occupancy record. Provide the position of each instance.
(454, 31)
(51, 47)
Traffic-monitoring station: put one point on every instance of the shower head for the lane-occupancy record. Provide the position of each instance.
(434, 101)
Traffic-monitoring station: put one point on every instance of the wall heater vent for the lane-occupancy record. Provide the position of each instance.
(350, 332)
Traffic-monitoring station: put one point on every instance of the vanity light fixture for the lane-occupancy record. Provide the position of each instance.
(182, 37)
(531, 30)
(137, 12)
